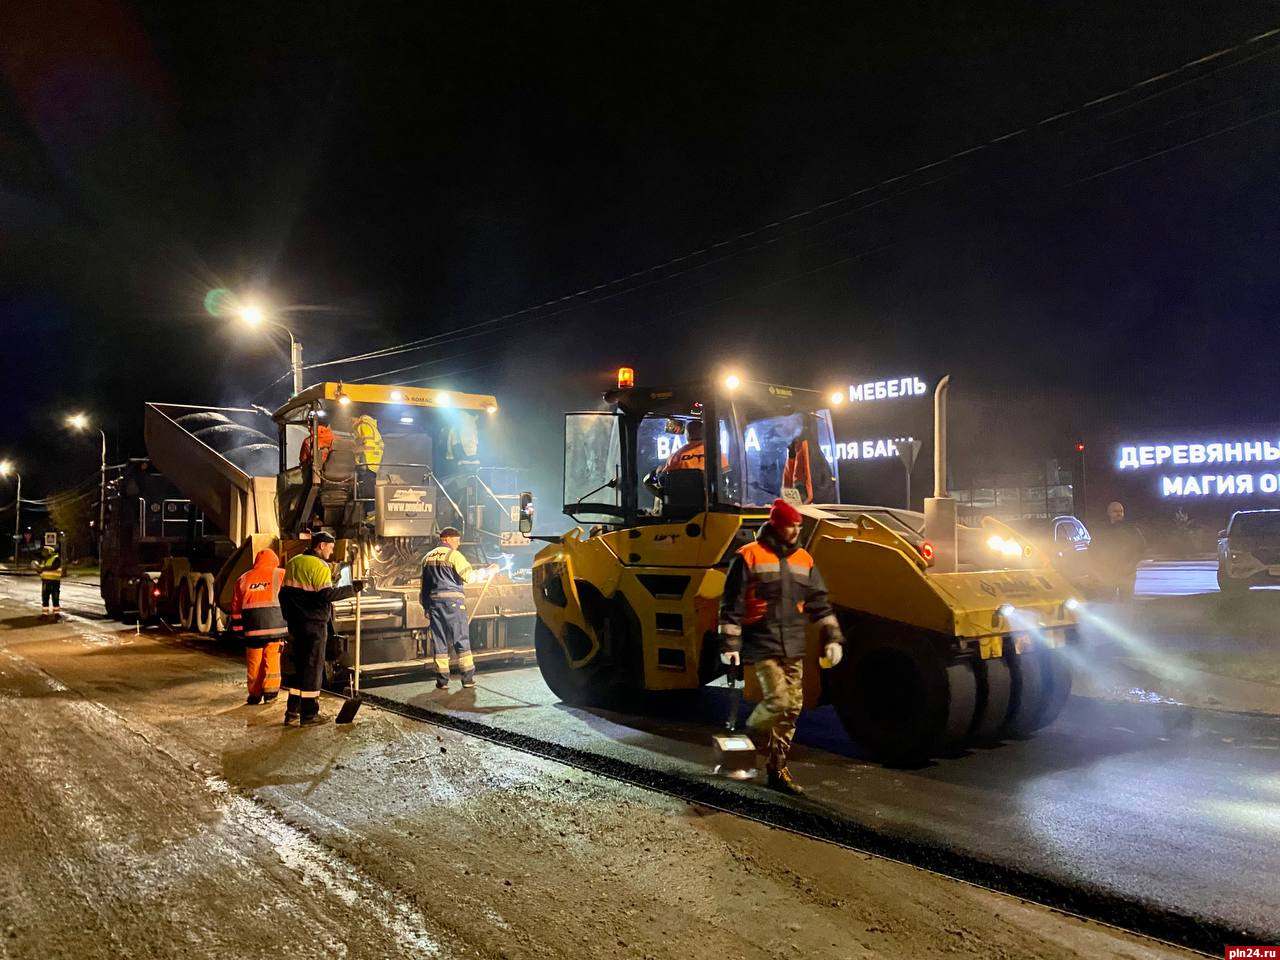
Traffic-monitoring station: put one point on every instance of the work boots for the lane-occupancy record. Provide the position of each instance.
(782, 781)
(253, 699)
(468, 680)
(291, 707)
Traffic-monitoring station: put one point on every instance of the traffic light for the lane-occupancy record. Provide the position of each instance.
(1079, 446)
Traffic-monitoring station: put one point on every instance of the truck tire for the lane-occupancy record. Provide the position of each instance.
(144, 601)
(186, 604)
(898, 696)
(1027, 697)
(204, 613)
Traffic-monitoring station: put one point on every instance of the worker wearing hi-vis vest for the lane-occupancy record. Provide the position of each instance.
(307, 599)
(796, 474)
(772, 589)
(257, 620)
(369, 449)
(50, 567)
(445, 571)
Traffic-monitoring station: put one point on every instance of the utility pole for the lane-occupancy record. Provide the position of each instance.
(295, 359)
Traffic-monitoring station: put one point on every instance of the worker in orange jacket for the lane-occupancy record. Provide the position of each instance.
(773, 591)
(256, 618)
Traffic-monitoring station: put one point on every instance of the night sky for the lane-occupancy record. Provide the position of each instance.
(416, 169)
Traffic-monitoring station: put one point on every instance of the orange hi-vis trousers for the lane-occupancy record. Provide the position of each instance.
(263, 667)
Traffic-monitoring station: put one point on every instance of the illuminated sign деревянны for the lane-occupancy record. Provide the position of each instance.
(1167, 457)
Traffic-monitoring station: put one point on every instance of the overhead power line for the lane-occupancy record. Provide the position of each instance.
(472, 329)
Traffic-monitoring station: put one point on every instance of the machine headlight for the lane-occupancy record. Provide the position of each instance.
(1007, 547)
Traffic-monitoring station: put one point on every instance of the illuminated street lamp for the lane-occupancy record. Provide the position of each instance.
(221, 302)
(253, 316)
(6, 468)
(80, 423)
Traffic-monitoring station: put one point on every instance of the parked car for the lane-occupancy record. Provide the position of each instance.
(1065, 541)
(1249, 551)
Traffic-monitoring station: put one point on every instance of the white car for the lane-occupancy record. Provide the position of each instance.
(1249, 551)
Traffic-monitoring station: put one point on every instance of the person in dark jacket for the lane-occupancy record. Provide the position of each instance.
(445, 572)
(307, 599)
(772, 592)
(1117, 548)
(256, 619)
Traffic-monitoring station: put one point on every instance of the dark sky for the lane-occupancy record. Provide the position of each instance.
(412, 169)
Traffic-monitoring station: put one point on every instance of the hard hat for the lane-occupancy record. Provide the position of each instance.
(322, 536)
(450, 532)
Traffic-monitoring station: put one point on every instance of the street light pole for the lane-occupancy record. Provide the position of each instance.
(102, 492)
(6, 468)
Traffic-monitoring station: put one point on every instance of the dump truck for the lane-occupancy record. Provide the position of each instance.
(220, 484)
(953, 634)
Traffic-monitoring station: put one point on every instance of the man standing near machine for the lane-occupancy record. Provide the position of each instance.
(445, 571)
(307, 599)
(772, 589)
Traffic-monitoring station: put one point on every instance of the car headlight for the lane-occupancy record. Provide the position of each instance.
(1006, 546)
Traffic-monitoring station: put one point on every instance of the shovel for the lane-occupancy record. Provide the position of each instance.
(352, 705)
(735, 752)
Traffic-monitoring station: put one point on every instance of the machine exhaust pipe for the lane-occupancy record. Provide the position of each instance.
(940, 509)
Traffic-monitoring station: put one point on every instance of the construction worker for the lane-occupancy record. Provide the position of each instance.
(50, 567)
(691, 456)
(307, 599)
(444, 573)
(772, 588)
(324, 440)
(369, 450)
(796, 475)
(257, 620)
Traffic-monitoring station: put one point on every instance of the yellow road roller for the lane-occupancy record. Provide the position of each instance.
(954, 634)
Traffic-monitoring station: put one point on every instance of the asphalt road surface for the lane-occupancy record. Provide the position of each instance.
(1164, 805)
(151, 813)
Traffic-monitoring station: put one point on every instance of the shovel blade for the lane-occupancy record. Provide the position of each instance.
(349, 710)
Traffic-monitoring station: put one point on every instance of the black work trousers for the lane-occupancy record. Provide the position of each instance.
(304, 658)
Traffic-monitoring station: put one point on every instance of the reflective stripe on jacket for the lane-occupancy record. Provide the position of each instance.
(255, 607)
(444, 574)
(51, 567)
(369, 445)
(308, 592)
(771, 591)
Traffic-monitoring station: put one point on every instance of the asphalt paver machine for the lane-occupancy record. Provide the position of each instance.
(220, 484)
(964, 641)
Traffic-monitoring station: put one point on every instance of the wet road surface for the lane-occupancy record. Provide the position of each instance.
(1164, 805)
(150, 813)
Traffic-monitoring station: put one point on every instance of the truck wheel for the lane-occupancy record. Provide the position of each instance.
(144, 601)
(186, 604)
(202, 617)
(899, 698)
(591, 685)
(1026, 700)
(1055, 675)
(994, 688)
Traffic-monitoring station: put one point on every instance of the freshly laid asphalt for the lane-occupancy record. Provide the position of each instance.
(1171, 811)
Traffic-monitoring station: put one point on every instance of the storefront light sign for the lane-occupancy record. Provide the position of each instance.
(1208, 469)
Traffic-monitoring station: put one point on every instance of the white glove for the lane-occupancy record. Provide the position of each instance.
(730, 658)
(832, 653)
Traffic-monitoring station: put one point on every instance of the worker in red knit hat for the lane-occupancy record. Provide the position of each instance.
(772, 591)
